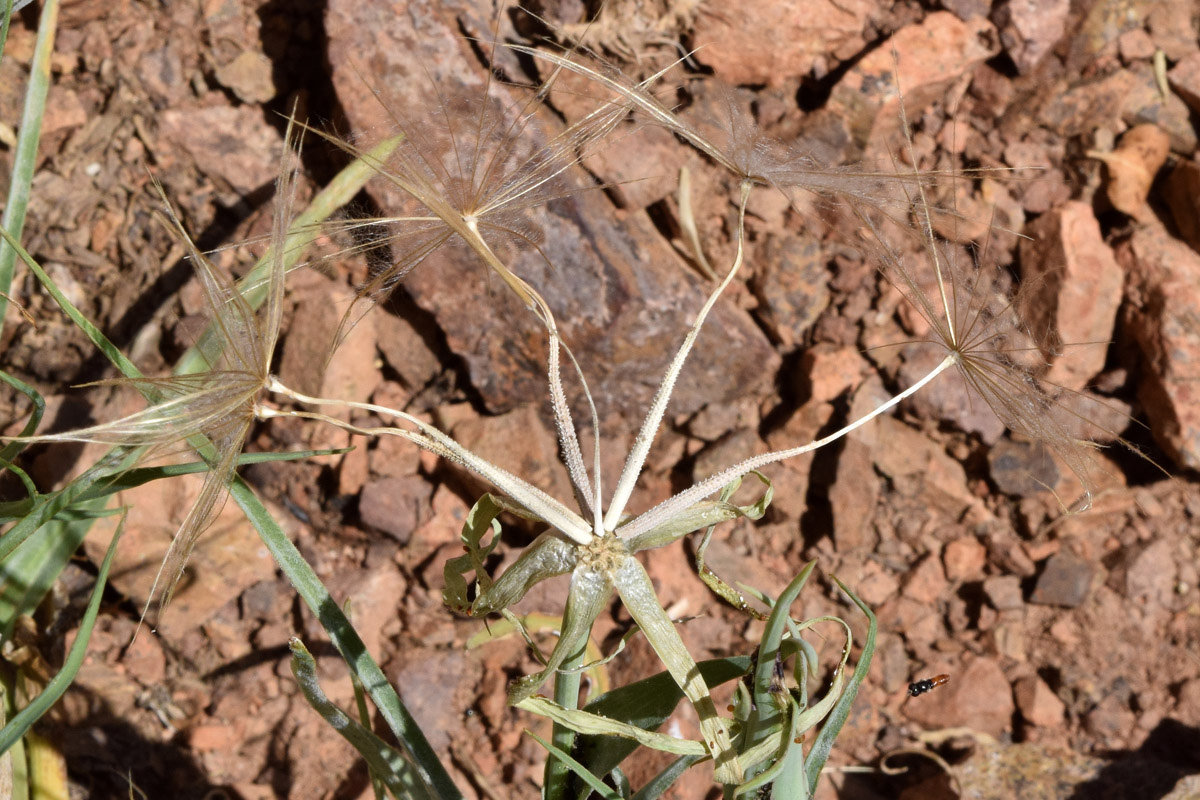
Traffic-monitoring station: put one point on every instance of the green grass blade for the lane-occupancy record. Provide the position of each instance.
(47, 506)
(35, 415)
(364, 713)
(397, 774)
(765, 717)
(101, 341)
(587, 777)
(19, 724)
(18, 509)
(8, 12)
(25, 159)
(823, 744)
(27, 575)
(346, 639)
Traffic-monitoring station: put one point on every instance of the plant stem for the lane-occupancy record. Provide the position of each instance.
(566, 693)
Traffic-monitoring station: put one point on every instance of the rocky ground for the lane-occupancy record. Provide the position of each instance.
(1072, 641)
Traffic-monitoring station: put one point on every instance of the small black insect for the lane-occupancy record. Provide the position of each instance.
(920, 687)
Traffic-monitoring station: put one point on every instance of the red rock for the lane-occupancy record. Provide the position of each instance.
(145, 660)
(250, 76)
(1004, 592)
(1065, 581)
(1029, 29)
(229, 557)
(781, 40)
(351, 373)
(875, 585)
(63, 111)
(919, 467)
(791, 482)
(1187, 706)
(791, 286)
(405, 341)
(1077, 290)
(853, 496)
(1184, 78)
(444, 527)
(395, 506)
(717, 419)
(394, 457)
(934, 53)
(1111, 721)
(964, 559)
(206, 738)
(916, 621)
(1130, 95)
(1006, 640)
(1150, 574)
(1005, 550)
(375, 603)
(1164, 274)
(926, 583)
(977, 696)
(232, 144)
(428, 680)
(640, 167)
(1172, 27)
(735, 447)
(831, 370)
(1135, 45)
(1022, 469)
(622, 296)
(353, 470)
(1037, 703)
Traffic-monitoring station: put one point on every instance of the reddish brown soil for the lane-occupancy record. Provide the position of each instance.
(1077, 633)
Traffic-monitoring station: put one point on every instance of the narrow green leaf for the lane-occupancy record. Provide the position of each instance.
(25, 159)
(823, 744)
(566, 697)
(364, 713)
(765, 716)
(47, 506)
(787, 745)
(398, 775)
(591, 780)
(27, 575)
(110, 350)
(140, 475)
(11, 450)
(25, 718)
(8, 12)
(347, 641)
